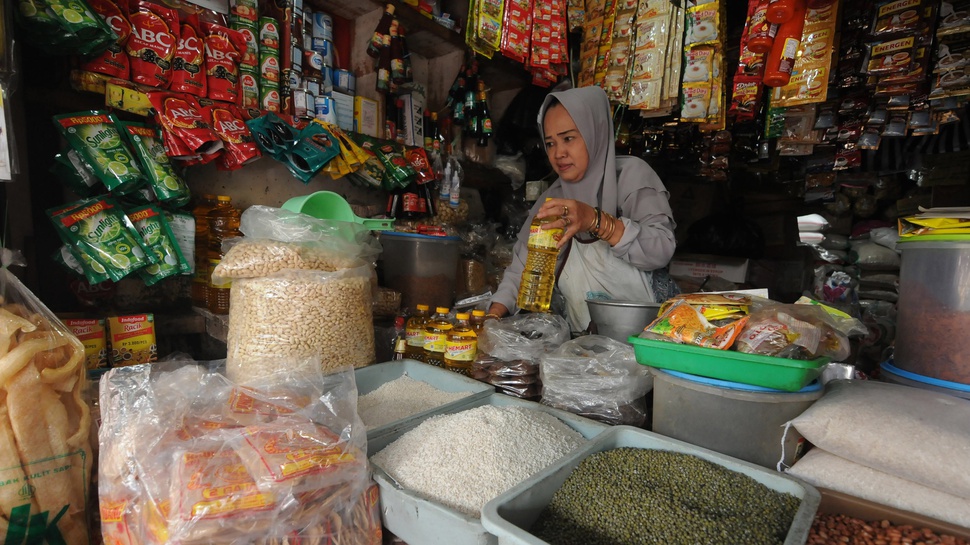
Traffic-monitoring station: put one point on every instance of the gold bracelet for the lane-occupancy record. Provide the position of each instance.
(612, 228)
(592, 224)
(493, 315)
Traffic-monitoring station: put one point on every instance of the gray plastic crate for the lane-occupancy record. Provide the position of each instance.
(510, 515)
(373, 377)
(417, 520)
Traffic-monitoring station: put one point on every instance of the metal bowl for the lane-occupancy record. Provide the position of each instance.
(619, 319)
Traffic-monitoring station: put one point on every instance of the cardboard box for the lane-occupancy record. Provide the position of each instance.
(132, 339)
(412, 116)
(365, 116)
(343, 108)
(91, 332)
(733, 269)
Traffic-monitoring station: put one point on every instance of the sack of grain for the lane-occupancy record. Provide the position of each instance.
(301, 291)
(45, 424)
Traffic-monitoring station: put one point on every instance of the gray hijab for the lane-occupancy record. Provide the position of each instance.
(590, 110)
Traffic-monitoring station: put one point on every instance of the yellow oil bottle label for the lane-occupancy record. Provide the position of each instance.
(462, 350)
(434, 342)
(415, 336)
(544, 238)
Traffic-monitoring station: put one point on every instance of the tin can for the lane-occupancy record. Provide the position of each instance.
(323, 107)
(313, 64)
(292, 79)
(243, 10)
(269, 34)
(344, 82)
(326, 50)
(250, 57)
(299, 103)
(269, 65)
(322, 29)
(312, 85)
(269, 99)
(249, 88)
(326, 80)
(296, 60)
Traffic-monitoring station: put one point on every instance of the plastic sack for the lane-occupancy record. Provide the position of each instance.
(918, 435)
(524, 336)
(45, 423)
(596, 377)
(189, 457)
(870, 256)
(792, 331)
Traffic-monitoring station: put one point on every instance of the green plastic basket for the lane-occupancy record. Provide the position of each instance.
(755, 369)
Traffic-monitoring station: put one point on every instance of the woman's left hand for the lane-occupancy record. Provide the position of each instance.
(574, 217)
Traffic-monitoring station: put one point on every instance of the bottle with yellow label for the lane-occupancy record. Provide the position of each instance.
(539, 275)
(477, 321)
(461, 346)
(414, 333)
(436, 337)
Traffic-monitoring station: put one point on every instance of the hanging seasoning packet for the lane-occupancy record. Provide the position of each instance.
(223, 50)
(100, 228)
(157, 236)
(187, 68)
(114, 60)
(95, 136)
(239, 146)
(315, 148)
(153, 42)
(180, 114)
(167, 186)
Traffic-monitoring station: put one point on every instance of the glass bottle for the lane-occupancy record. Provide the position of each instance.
(436, 337)
(199, 281)
(539, 275)
(414, 333)
(478, 321)
(378, 40)
(483, 119)
(461, 346)
(471, 115)
(223, 224)
(427, 131)
(400, 339)
(384, 62)
(398, 72)
(435, 133)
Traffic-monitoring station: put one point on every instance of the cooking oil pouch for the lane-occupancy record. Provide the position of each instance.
(684, 324)
(155, 232)
(77, 18)
(167, 186)
(94, 134)
(315, 148)
(75, 174)
(100, 228)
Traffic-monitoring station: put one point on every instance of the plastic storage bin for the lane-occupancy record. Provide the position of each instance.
(934, 309)
(373, 377)
(739, 420)
(895, 375)
(510, 515)
(423, 268)
(754, 369)
(417, 520)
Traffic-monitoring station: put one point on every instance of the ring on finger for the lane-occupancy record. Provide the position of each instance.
(565, 220)
(565, 210)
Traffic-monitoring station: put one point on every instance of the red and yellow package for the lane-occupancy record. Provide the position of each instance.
(682, 323)
(187, 68)
(152, 44)
(181, 115)
(223, 51)
(419, 162)
(239, 146)
(114, 61)
(517, 29)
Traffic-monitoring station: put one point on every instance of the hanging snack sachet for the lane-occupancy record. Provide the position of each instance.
(167, 185)
(156, 234)
(95, 136)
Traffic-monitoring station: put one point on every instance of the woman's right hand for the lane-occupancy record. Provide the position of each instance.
(497, 310)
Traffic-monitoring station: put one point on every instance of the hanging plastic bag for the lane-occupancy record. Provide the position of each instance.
(189, 457)
(596, 377)
(45, 424)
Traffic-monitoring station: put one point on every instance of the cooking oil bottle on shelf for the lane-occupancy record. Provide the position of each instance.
(199, 281)
(461, 346)
(436, 337)
(539, 275)
(223, 225)
(414, 332)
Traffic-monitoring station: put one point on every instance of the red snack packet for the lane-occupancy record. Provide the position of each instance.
(152, 44)
(187, 69)
(182, 116)
(239, 145)
(223, 50)
(175, 148)
(114, 60)
(418, 159)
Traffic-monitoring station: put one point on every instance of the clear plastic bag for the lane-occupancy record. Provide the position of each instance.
(524, 336)
(45, 422)
(187, 456)
(596, 377)
(798, 331)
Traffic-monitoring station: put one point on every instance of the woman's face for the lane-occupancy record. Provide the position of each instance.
(565, 146)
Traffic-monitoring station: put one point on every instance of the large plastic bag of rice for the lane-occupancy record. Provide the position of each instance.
(917, 435)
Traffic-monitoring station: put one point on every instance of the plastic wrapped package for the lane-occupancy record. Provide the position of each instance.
(189, 457)
(45, 423)
(596, 377)
(301, 291)
(799, 331)
(509, 351)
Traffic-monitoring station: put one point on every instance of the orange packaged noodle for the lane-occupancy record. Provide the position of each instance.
(684, 324)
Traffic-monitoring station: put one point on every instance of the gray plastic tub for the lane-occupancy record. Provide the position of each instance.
(419, 521)
(373, 377)
(510, 515)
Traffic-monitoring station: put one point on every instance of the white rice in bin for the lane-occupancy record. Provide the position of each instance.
(466, 459)
(400, 398)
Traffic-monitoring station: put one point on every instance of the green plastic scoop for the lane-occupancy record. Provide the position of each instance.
(328, 205)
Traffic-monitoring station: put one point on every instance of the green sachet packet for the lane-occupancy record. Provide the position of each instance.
(183, 227)
(151, 224)
(77, 18)
(101, 229)
(76, 174)
(96, 138)
(65, 258)
(168, 186)
(91, 269)
(41, 29)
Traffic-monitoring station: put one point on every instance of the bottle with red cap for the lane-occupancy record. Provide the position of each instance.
(781, 59)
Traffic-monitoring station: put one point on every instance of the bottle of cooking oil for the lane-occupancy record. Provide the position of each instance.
(461, 346)
(414, 332)
(199, 282)
(436, 337)
(223, 225)
(477, 321)
(539, 275)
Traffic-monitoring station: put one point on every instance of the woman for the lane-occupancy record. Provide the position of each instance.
(615, 208)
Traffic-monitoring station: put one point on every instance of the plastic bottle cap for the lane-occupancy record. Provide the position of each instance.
(478, 313)
(462, 315)
(224, 198)
(422, 307)
(441, 310)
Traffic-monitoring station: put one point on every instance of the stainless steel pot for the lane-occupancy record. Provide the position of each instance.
(620, 319)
